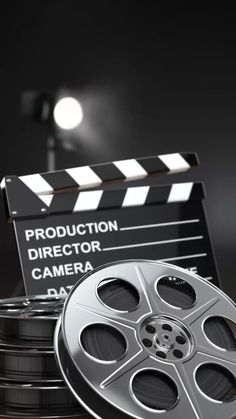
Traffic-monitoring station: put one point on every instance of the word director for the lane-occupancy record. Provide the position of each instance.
(64, 250)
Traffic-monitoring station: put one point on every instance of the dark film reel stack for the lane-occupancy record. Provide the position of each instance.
(30, 382)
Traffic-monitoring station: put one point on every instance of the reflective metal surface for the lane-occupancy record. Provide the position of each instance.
(28, 365)
(19, 400)
(31, 385)
(29, 321)
(112, 388)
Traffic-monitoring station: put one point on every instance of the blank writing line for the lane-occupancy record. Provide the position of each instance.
(198, 255)
(172, 223)
(128, 246)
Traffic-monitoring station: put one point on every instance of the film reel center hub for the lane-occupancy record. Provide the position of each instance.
(166, 338)
(143, 339)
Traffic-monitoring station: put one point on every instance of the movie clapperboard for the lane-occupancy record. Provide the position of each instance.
(68, 222)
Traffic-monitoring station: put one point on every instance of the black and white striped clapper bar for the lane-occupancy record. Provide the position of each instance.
(71, 221)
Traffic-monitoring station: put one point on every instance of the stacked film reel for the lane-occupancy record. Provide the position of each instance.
(142, 339)
(30, 382)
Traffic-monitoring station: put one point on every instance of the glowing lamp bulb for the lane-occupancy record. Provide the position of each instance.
(68, 113)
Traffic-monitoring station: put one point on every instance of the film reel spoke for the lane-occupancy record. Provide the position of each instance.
(211, 385)
(216, 389)
(147, 290)
(200, 310)
(157, 291)
(108, 355)
(187, 390)
(208, 355)
(125, 297)
(187, 381)
(152, 390)
(106, 347)
(99, 315)
(126, 368)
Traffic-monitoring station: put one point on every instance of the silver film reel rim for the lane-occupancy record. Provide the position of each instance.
(32, 307)
(28, 365)
(29, 321)
(42, 390)
(191, 400)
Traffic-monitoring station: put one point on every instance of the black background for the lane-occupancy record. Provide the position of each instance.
(153, 77)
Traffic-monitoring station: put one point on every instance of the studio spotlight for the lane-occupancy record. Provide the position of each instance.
(62, 112)
(68, 113)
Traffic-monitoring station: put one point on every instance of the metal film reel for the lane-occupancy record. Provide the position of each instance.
(143, 339)
(19, 400)
(28, 365)
(29, 321)
(30, 381)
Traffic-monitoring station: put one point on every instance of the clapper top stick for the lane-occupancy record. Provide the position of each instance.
(50, 186)
(70, 221)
